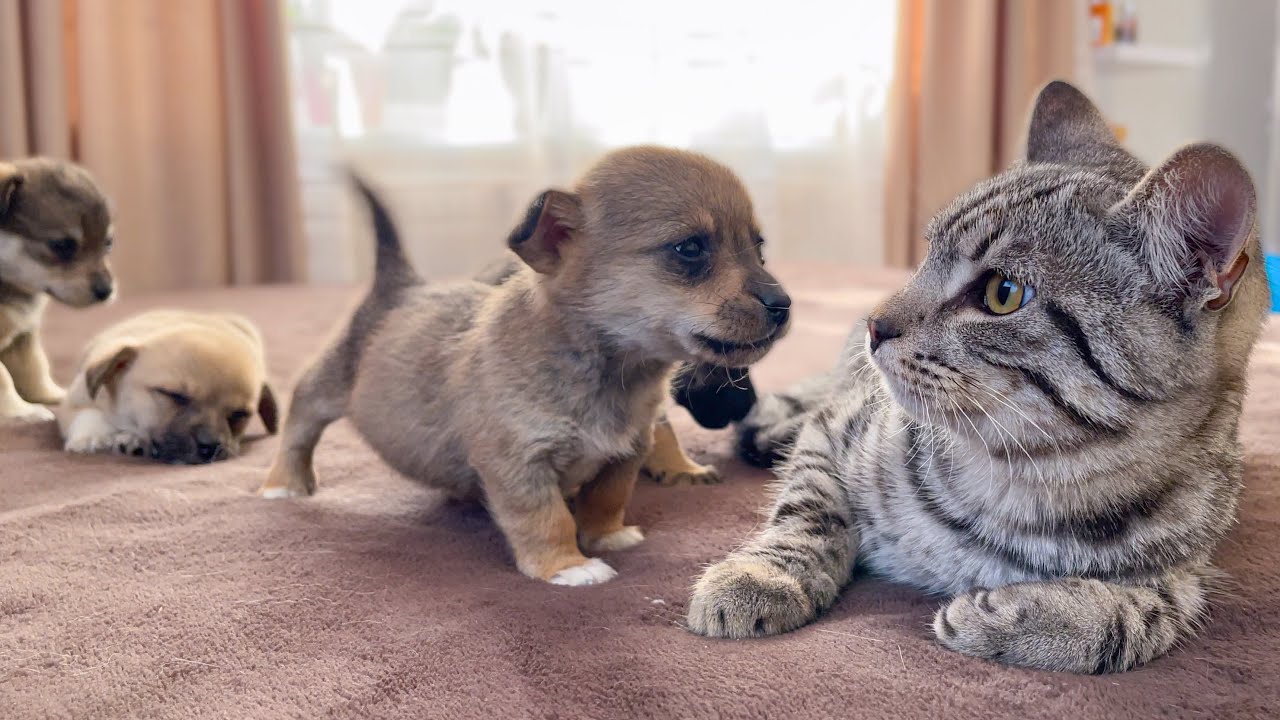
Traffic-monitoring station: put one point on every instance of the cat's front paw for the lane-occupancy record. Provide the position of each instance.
(981, 623)
(1015, 625)
(1074, 625)
(741, 598)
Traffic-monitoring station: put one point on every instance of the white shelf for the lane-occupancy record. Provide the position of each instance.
(1154, 56)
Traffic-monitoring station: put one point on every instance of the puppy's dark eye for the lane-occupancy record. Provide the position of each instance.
(694, 248)
(238, 419)
(176, 398)
(760, 248)
(109, 243)
(63, 248)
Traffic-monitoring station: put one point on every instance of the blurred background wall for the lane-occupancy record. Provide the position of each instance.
(221, 128)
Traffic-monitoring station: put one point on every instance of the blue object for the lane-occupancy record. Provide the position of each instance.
(1273, 276)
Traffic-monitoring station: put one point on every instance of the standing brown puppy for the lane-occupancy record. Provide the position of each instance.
(546, 387)
(55, 234)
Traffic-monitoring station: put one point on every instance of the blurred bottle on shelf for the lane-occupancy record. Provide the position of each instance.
(1101, 22)
(1127, 23)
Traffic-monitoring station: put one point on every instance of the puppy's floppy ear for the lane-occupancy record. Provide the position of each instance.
(1192, 217)
(268, 410)
(550, 221)
(10, 181)
(104, 371)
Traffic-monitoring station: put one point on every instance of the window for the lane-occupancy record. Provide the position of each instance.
(462, 110)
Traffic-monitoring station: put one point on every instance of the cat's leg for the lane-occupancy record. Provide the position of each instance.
(797, 564)
(766, 433)
(1075, 625)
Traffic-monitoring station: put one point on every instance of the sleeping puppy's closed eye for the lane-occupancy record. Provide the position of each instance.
(178, 387)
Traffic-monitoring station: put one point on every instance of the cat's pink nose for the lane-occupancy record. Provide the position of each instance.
(879, 330)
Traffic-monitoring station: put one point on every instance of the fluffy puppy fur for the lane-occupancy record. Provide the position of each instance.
(715, 395)
(55, 233)
(540, 394)
(176, 386)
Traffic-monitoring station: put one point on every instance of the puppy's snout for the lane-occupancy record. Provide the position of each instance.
(208, 446)
(208, 452)
(777, 303)
(201, 445)
(102, 286)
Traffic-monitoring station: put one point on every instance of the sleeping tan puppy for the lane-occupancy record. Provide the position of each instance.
(179, 387)
(540, 394)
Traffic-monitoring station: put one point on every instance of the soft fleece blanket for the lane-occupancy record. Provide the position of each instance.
(134, 590)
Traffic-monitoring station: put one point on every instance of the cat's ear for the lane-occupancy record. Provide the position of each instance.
(1193, 216)
(1066, 127)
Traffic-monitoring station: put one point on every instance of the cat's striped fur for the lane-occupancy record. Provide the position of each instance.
(1063, 472)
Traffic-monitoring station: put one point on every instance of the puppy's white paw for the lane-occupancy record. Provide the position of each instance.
(628, 536)
(132, 445)
(81, 444)
(91, 432)
(591, 572)
(23, 412)
(277, 493)
(121, 443)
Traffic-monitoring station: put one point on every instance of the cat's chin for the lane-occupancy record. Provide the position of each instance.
(919, 403)
(911, 399)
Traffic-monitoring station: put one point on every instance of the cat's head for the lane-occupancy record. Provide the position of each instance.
(1063, 297)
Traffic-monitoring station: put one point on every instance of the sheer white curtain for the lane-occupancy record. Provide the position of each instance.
(462, 110)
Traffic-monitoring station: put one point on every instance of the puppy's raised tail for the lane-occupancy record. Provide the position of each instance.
(391, 269)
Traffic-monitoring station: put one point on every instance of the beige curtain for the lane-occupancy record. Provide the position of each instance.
(179, 108)
(965, 73)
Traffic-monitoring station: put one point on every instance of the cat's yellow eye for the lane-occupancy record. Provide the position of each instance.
(1003, 295)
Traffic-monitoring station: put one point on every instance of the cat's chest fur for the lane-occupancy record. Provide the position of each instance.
(932, 516)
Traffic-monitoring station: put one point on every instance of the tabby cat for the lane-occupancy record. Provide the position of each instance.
(1042, 425)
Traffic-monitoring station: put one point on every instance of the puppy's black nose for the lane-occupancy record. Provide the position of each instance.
(880, 329)
(776, 303)
(208, 451)
(102, 289)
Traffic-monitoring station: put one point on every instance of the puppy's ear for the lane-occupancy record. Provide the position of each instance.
(268, 410)
(550, 221)
(104, 371)
(10, 181)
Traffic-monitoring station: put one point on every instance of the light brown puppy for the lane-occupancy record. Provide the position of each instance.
(172, 385)
(547, 386)
(55, 233)
(667, 463)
